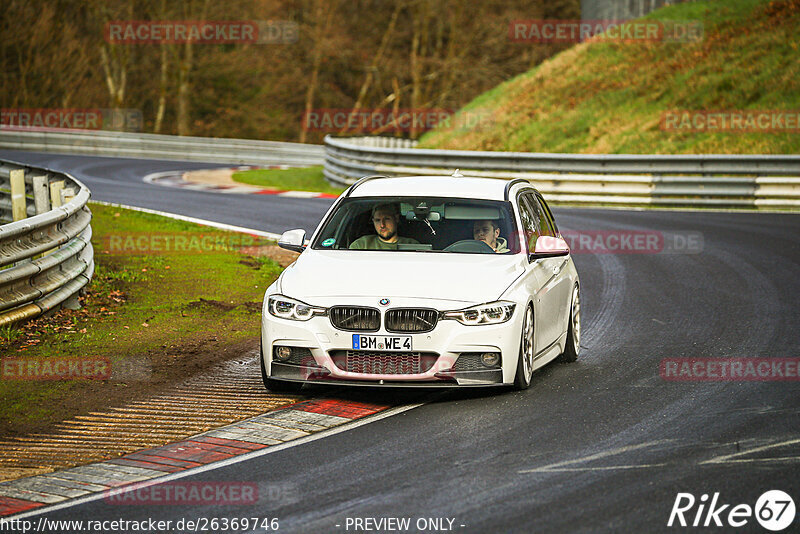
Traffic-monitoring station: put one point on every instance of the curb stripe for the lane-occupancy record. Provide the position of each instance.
(176, 179)
(352, 410)
(241, 458)
(10, 505)
(231, 442)
(222, 445)
(146, 465)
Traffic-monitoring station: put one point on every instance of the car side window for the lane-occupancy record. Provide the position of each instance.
(530, 221)
(545, 221)
(548, 214)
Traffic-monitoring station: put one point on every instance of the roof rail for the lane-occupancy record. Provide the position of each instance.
(362, 180)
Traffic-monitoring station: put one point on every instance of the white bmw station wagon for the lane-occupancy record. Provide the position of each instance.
(424, 281)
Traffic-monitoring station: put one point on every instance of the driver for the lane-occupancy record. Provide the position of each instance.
(488, 231)
(385, 219)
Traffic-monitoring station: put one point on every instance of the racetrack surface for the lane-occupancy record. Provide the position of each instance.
(120, 180)
(603, 444)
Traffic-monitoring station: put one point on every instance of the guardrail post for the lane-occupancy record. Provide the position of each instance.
(45, 259)
(67, 194)
(72, 303)
(41, 195)
(55, 193)
(19, 206)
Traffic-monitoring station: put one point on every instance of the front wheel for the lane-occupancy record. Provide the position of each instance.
(573, 342)
(526, 353)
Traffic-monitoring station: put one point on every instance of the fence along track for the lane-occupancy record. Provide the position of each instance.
(739, 181)
(157, 146)
(46, 255)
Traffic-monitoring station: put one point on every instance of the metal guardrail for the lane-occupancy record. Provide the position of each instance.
(155, 146)
(46, 258)
(628, 179)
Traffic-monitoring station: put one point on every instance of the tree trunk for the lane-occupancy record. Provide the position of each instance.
(184, 81)
(319, 42)
(162, 88)
(371, 69)
(162, 92)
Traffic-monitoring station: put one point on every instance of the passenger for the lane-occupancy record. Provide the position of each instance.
(488, 231)
(385, 219)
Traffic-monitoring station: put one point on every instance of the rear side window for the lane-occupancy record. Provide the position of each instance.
(548, 213)
(531, 220)
(546, 220)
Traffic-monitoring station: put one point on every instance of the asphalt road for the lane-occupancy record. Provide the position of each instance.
(601, 445)
(120, 180)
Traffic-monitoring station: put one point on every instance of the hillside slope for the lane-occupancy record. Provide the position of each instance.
(610, 97)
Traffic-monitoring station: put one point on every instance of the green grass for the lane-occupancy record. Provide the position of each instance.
(172, 310)
(300, 179)
(609, 97)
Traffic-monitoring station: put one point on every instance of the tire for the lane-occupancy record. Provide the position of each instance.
(573, 342)
(277, 386)
(522, 380)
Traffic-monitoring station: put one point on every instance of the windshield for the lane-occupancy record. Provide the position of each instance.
(420, 224)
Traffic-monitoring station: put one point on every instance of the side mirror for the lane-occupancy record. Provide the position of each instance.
(293, 240)
(550, 247)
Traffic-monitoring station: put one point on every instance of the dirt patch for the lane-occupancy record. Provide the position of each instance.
(137, 376)
(283, 257)
(161, 370)
(211, 176)
(212, 304)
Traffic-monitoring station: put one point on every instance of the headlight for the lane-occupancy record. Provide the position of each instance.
(491, 313)
(288, 308)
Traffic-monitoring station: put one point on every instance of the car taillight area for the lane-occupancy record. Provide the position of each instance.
(383, 362)
(411, 320)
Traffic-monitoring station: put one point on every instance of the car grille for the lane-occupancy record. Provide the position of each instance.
(355, 318)
(383, 363)
(411, 320)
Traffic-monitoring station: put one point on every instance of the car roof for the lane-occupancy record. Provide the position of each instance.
(433, 186)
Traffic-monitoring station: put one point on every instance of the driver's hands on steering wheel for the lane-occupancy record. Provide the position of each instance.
(469, 245)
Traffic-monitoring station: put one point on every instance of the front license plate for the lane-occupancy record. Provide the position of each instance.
(394, 343)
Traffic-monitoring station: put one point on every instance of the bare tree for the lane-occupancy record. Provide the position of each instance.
(323, 15)
(185, 64)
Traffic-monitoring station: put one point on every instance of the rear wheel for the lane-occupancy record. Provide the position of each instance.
(278, 386)
(573, 342)
(526, 353)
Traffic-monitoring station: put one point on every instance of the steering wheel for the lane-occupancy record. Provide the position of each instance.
(469, 245)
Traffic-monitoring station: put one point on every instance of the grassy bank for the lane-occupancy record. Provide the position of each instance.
(610, 97)
(168, 299)
(300, 179)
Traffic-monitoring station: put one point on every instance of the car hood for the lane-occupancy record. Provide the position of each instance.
(466, 278)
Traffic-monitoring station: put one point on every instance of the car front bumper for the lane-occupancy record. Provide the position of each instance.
(319, 340)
